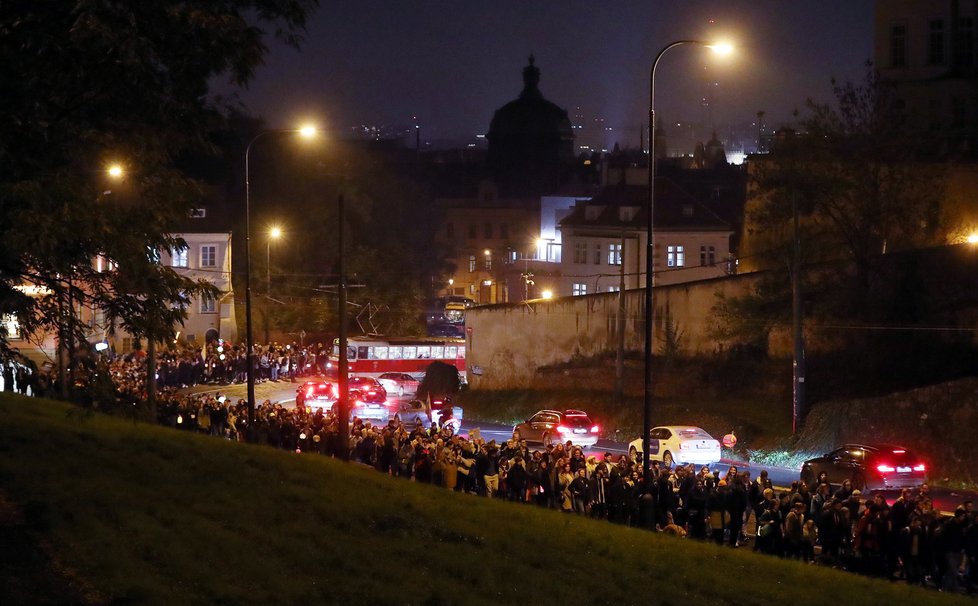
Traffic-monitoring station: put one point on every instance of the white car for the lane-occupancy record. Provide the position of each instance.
(679, 445)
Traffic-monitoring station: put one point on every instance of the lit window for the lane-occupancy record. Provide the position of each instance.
(471, 263)
(180, 257)
(208, 256)
(394, 353)
(675, 256)
(614, 289)
(614, 254)
(579, 288)
(488, 262)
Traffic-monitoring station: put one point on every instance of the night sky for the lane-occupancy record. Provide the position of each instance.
(381, 62)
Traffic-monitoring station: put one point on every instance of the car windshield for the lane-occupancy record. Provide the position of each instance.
(694, 433)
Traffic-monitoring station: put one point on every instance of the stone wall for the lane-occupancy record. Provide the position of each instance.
(507, 343)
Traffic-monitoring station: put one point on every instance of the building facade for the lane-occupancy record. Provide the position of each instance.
(927, 49)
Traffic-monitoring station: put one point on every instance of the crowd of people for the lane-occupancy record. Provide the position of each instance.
(904, 540)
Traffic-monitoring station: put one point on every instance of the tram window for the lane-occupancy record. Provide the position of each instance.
(363, 352)
(394, 353)
(424, 351)
(410, 352)
(451, 351)
(437, 352)
(461, 352)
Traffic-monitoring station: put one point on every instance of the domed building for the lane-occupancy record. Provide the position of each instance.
(531, 142)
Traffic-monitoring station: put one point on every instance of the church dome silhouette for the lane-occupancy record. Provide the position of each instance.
(531, 141)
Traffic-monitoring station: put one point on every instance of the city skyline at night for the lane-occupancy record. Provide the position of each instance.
(446, 68)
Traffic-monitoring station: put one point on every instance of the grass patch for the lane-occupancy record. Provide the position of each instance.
(147, 515)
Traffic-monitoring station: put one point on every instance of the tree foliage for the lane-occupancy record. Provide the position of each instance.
(88, 82)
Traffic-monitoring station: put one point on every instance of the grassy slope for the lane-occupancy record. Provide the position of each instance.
(148, 515)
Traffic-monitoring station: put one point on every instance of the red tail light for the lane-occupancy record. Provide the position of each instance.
(885, 468)
(563, 429)
(919, 467)
(595, 429)
(900, 452)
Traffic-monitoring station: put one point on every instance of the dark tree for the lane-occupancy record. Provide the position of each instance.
(85, 83)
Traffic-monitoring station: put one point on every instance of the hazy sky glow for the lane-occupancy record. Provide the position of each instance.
(453, 63)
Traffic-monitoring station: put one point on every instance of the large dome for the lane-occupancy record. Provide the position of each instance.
(531, 142)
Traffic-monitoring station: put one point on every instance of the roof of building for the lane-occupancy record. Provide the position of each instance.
(675, 209)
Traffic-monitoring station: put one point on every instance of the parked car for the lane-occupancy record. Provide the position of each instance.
(868, 466)
(445, 416)
(367, 390)
(678, 445)
(552, 426)
(399, 383)
(316, 394)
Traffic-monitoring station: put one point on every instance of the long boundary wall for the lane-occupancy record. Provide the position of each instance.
(507, 343)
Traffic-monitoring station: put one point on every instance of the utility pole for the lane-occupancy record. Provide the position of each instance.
(342, 402)
(798, 363)
(620, 325)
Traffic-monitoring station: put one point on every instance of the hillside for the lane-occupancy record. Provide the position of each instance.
(136, 514)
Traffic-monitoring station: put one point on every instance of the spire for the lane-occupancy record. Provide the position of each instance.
(531, 78)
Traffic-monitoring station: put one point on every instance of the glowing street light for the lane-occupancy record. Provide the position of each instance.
(547, 294)
(972, 238)
(116, 171)
(720, 49)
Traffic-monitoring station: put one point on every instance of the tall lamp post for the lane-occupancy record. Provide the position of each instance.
(307, 132)
(722, 49)
(273, 234)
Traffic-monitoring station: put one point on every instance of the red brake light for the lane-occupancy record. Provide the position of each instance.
(899, 452)
(885, 468)
(919, 467)
(563, 429)
(594, 429)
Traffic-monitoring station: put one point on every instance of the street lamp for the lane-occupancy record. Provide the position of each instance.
(273, 234)
(306, 132)
(720, 49)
